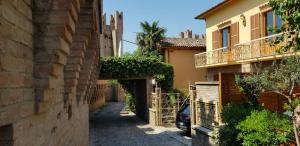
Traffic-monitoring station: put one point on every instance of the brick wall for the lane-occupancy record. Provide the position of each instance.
(49, 54)
(16, 64)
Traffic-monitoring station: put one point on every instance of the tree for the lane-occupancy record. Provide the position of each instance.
(149, 39)
(289, 11)
(251, 86)
(282, 78)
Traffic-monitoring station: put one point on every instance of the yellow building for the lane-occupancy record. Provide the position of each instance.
(237, 38)
(179, 52)
(237, 35)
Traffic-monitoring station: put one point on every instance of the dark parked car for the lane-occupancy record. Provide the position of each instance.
(183, 118)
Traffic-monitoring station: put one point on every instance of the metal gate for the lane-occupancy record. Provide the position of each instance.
(165, 106)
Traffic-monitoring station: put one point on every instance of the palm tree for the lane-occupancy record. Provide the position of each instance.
(149, 39)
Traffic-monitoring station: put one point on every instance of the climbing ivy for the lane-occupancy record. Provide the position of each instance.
(134, 67)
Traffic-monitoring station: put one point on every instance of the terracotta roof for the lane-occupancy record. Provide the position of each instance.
(204, 14)
(183, 42)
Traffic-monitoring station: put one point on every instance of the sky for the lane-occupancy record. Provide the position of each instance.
(175, 15)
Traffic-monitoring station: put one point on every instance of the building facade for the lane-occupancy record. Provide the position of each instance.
(49, 66)
(238, 41)
(179, 52)
(237, 36)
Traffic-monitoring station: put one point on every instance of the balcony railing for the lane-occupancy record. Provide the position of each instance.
(255, 49)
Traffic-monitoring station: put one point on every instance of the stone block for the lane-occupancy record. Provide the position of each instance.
(72, 67)
(24, 7)
(202, 137)
(74, 11)
(11, 64)
(77, 52)
(28, 2)
(28, 94)
(10, 96)
(71, 75)
(12, 13)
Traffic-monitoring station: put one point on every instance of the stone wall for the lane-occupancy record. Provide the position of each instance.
(205, 112)
(202, 137)
(99, 99)
(49, 54)
(113, 35)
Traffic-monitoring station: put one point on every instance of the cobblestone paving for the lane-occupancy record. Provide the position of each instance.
(113, 127)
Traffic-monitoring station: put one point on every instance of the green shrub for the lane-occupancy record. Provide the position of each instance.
(172, 99)
(232, 115)
(265, 128)
(134, 67)
(130, 102)
(113, 82)
(184, 93)
(251, 86)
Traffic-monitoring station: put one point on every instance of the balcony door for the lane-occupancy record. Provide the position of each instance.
(225, 38)
(272, 24)
(224, 41)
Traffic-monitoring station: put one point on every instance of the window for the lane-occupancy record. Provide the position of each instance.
(225, 37)
(279, 22)
(186, 110)
(273, 23)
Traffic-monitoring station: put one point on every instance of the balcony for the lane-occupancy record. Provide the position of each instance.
(255, 50)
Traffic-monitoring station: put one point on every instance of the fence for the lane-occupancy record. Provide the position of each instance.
(164, 108)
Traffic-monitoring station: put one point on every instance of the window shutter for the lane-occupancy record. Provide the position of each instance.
(255, 27)
(234, 34)
(216, 39)
(263, 25)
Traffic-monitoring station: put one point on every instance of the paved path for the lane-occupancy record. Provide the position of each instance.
(113, 127)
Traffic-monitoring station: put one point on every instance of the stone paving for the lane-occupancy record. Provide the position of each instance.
(112, 126)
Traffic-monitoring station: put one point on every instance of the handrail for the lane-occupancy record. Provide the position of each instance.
(242, 51)
(214, 50)
(245, 43)
(259, 39)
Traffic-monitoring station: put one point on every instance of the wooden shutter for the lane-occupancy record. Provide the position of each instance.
(255, 27)
(234, 34)
(216, 39)
(263, 25)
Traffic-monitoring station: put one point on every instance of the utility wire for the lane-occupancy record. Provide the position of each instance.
(130, 42)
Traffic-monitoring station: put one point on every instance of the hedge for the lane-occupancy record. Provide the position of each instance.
(134, 67)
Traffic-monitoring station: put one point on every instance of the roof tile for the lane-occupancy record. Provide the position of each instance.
(183, 42)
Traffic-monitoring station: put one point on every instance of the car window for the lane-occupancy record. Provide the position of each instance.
(186, 110)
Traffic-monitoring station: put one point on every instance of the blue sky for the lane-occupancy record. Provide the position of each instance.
(175, 15)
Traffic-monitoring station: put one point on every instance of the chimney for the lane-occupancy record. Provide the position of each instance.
(197, 36)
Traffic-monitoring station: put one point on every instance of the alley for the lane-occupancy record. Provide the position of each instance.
(113, 127)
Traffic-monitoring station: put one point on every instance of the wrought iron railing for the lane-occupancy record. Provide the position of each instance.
(258, 48)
